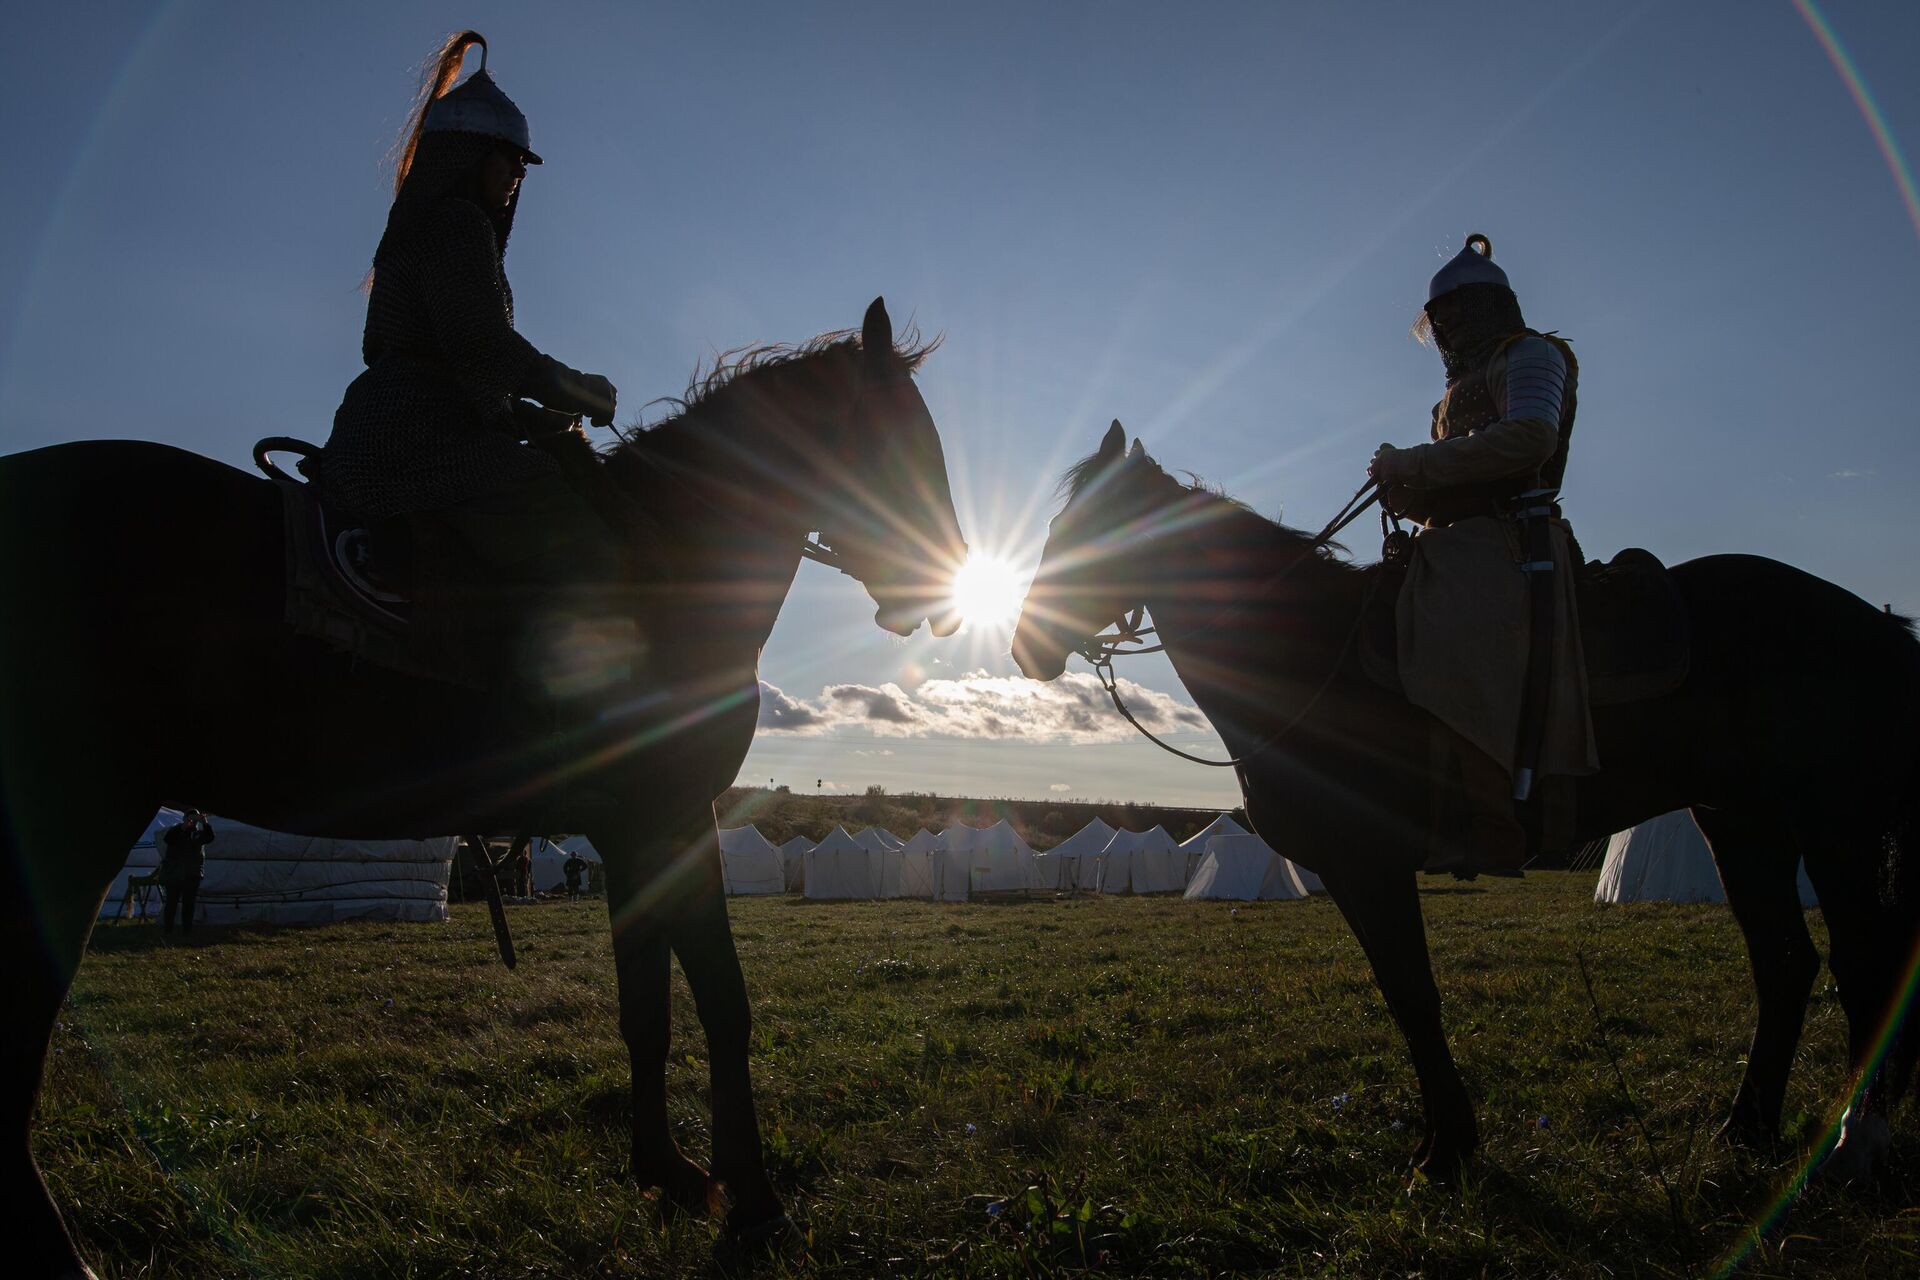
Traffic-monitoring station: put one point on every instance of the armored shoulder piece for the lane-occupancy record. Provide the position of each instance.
(1536, 380)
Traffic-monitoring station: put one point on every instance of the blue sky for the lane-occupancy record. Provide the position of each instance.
(1213, 222)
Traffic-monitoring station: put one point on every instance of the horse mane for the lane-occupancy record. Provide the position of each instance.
(1219, 507)
(745, 372)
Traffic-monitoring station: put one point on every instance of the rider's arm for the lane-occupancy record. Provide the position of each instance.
(1529, 396)
(466, 303)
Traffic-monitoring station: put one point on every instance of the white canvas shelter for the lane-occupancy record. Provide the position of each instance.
(260, 877)
(550, 862)
(1142, 862)
(1061, 869)
(1308, 880)
(749, 864)
(875, 839)
(1666, 859)
(1194, 848)
(840, 867)
(979, 860)
(794, 855)
(1243, 868)
(916, 864)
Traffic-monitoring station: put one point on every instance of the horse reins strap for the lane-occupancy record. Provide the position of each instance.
(1104, 669)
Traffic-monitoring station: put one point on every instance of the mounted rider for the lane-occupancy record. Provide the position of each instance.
(1488, 636)
(431, 434)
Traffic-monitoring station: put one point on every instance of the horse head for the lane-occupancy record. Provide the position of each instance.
(885, 506)
(1089, 575)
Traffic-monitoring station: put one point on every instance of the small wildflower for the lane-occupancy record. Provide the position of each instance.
(994, 1210)
(1341, 1099)
(1396, 1126)
(1540, 1122)
(972, 1128)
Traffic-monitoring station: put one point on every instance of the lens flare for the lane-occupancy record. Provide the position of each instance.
(987, 591)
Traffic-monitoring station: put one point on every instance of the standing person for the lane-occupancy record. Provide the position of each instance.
(183, 863)
(433, 428)
(573, 868)
(520, 866)
(1488, 638)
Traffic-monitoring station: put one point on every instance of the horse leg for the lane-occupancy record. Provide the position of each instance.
(1758, 857)
(1864, 969)
(52, 896)
(1383, 910)
(642, 965)
(703, 939)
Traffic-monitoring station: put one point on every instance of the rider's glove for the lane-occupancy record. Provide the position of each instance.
(531, 422)
(570, 391)
(1387, 465)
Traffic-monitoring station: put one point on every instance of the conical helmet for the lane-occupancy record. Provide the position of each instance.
(478, 106)
(1472, 265)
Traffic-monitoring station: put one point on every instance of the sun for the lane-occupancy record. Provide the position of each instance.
(987, 591)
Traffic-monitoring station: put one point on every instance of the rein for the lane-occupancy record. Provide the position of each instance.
(1101, 650)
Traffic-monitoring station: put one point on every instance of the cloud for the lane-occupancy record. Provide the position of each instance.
(1072, 709)
(1848, 473)
(778, 711)
(884, 751)
(1058, 786)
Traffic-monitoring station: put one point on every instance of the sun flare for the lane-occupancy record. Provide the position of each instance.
(987, 591)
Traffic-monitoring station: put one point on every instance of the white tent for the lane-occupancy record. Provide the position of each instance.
(794, 855)
(1194, 848)
(749, 864)
(1245, 869)
(1308, 880)
(1142, 862)
(263, 877)
(978, 860)
(916, 864)
(1666, 859)
(875, 839)
(550, 862)
(839, 867)
(1074, 863)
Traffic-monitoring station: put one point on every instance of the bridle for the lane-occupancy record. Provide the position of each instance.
(1101, 649)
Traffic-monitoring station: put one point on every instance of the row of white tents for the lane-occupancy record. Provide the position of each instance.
(263, 877)
(962, 863)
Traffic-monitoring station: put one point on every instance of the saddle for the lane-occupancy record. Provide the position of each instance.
(1633, 628)
(353, 586)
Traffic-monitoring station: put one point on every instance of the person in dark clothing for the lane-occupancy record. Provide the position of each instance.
(573, 868)
(432, 430)
(183, 862)
(520, 867)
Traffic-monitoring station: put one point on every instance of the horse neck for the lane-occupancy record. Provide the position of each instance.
(730, 483)
(1251, 614)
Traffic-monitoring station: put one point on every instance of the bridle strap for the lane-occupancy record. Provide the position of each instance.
(1101, 650)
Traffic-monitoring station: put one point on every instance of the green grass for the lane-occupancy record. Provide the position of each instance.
(1048, 1088)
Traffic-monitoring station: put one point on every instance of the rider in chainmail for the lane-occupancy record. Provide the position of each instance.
(433, 427)
(1500, 432)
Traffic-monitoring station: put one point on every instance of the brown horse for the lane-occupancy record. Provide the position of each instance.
(1792, 736)
(144, 661)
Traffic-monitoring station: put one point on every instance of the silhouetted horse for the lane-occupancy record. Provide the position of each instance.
(144, 660)
(1792, 735)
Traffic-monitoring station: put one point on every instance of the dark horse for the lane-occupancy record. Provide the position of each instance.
(1792, 736)
(144, 661)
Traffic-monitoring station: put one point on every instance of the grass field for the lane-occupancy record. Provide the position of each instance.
(1110, 1087)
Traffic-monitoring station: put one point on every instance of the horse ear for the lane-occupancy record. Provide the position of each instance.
(876, 331)
(1115, 442)
(1138, 451)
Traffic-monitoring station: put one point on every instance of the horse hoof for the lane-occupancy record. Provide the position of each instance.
(1865, 1142)
(684, 1192)
(765, 1235)
(1747, 1132)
